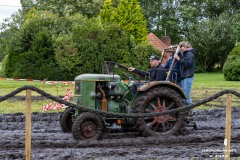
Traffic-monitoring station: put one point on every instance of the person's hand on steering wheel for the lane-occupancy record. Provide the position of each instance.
(131, 69)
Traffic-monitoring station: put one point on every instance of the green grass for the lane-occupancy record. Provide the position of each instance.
(213, 81)
(14, 106)
(54, 89)
(207, 84)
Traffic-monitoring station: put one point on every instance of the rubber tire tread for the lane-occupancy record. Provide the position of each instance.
(166, 92)
(66, 119)
(84, 117)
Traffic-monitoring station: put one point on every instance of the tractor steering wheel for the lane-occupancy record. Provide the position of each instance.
(129, 76)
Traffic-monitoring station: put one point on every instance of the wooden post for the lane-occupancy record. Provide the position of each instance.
(28, 126)
(228, 127)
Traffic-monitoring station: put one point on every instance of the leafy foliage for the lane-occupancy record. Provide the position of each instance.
(236, 50)
(211, 26)
(61, 39)
(213, 40)
(89, 44)
(106, 11)
(231, 68)
(33, 55)
(163, 18)
(128, 15)
(140, 54)
(62, 8)
(48, 45)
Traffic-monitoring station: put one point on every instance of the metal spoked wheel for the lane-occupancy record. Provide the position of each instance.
(158, 100)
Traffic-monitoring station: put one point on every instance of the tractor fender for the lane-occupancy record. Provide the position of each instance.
(154, 84)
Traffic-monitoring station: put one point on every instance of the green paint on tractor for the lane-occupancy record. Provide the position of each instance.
(107, 92)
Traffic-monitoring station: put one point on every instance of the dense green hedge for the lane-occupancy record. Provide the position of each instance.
(231, 67)
(60, 48)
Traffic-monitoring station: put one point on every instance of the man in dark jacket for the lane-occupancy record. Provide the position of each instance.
(175, 76)
(187, 65)
(156, 73)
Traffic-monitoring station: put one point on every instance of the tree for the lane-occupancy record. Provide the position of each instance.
(130, 17)
(213, 40)
(152, 11)
(178, 17)
(32, 55)
(89, 8)
(89, 44)
(71, 38)
(106, 11)
(162, 18)
(191, 12)
(48, 45)
(10, 38)
(169, 21)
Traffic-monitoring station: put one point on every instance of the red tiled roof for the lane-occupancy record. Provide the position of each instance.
(157, 43)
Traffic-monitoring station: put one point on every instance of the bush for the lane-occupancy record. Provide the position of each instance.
(231, 68)
(236, 50)
(140, 54)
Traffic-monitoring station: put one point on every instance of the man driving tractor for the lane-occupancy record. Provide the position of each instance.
(156, 73)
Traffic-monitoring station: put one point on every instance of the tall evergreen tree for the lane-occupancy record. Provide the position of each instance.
(130, 17)
(106, 11)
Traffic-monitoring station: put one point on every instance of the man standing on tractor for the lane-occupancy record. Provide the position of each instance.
(187, 65)
(175, 76)
(156, 73)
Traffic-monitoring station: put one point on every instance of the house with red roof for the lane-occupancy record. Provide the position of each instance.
(161, 44)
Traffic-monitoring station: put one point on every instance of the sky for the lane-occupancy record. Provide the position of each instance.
(8, 7)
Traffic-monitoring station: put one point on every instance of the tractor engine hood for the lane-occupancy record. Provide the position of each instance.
(98, 77)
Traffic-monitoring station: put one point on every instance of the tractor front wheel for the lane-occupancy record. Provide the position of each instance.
(87, 126)
(66, 119)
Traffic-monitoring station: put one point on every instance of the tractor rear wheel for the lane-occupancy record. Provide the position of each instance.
(158, 100)
(87, 126)
(66, 119)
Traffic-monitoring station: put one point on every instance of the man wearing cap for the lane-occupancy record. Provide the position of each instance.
(157, 72)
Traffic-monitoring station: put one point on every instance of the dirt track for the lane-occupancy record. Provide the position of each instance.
(49, 142)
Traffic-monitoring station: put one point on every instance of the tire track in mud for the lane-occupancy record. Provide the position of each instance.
(49, 142)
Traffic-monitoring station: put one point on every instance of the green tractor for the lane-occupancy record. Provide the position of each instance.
(107, 92)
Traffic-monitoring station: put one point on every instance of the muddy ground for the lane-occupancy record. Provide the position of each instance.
(49, 142)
